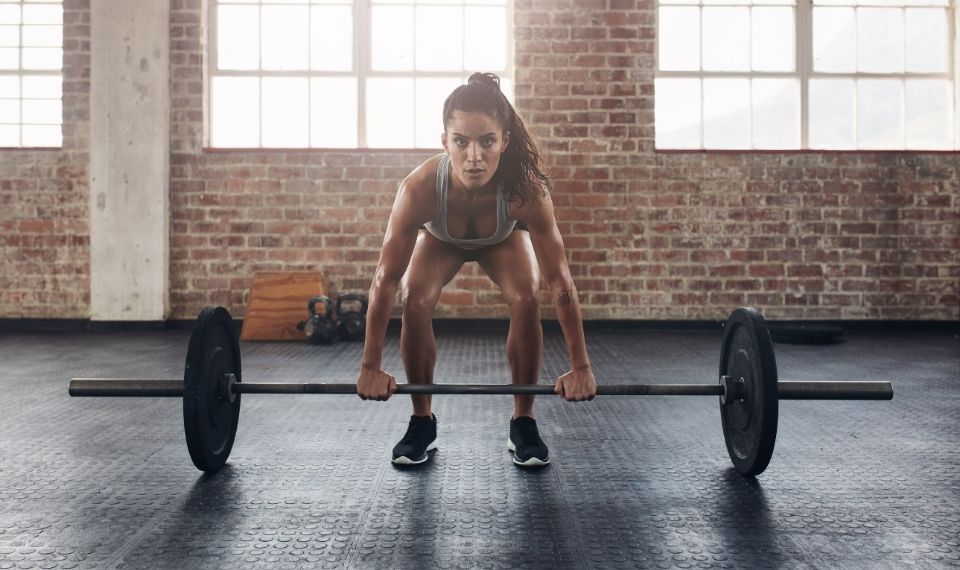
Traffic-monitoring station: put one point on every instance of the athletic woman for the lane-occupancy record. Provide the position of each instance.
(484, 200)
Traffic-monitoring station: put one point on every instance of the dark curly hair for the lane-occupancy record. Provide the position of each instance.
(519, 168)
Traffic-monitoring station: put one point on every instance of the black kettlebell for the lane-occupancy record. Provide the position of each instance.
(353, 322)
(320, 329)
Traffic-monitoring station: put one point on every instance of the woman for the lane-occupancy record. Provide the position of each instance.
(475, 201)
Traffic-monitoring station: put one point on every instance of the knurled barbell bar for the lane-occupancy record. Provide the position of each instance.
(748, 389)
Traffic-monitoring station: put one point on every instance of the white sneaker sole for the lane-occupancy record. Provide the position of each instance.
(404, 460)
(532, 462)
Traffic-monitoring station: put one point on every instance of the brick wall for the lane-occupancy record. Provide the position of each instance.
(44, 195)
(648, 235)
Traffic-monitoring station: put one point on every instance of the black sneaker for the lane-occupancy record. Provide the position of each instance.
(525, 443)
(420, 438)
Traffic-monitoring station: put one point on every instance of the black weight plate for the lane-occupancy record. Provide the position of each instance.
(209, 420)
(750, 422)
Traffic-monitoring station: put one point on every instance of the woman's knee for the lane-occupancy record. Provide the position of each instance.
(417, 303)
(524, 299)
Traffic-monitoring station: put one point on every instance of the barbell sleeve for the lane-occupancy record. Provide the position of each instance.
(161, 387)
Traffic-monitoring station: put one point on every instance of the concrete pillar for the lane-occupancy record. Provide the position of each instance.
(129, 159)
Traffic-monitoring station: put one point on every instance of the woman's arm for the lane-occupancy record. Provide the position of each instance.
(414, 205)
(579, 383)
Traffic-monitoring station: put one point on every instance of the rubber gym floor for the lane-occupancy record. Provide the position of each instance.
(636, 482)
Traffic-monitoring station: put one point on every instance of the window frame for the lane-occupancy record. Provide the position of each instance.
(803, 65)
(20, 73)
(362, 70)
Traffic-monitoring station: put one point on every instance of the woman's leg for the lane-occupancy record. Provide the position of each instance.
(512, 265)
(432, 265)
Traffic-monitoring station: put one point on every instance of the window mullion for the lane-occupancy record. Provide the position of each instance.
(362, 63)
(702, 140)
(803, 27)
(953, 14)
(260, 77)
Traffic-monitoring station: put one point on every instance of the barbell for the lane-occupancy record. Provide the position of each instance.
(748, 389)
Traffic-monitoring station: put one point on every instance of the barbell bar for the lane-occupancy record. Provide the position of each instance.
(787, 390)
(748, 389)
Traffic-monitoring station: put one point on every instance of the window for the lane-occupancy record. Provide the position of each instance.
(345, 74)
(817, 74)
(31, 80)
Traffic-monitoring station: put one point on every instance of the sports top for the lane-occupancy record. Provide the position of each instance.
(438, 225)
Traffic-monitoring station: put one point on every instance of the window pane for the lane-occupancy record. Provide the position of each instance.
(726, 113)
(333, 112)
(42, 58)
(9, 110)
(285, 112)
(9, 36)
(40, 14)
(880, 40)
(726, 39)
(390, 112)
(506, 87)
(238, 37)
(773, 42)
(9, 86)
(9, 14)
(42, 111)
(926, 39)
(880, 113)
(43, 36)
(42, 87)
(9, 135)
(929, 108)
(679, 39)
(776, 113)
(439, 51)
(42, 135)
(431, 93)
(677, 113)
(9, 58)
(485, 41)
(834, 40)
(331, 48)
(832, 113)
(235, 112)
(392, 38)
(286, 45)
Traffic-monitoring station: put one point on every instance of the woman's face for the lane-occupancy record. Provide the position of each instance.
(474, 142)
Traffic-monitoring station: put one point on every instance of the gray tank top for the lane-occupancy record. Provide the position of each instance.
(438, 226)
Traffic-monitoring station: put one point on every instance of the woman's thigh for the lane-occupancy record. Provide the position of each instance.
(512, 265)
(432, 265)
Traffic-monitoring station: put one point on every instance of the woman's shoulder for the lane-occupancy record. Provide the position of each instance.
(532, 206)
(417, 195)
(424, 177)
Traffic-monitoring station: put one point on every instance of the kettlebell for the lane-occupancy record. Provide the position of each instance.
(353, 322)
(320, 329)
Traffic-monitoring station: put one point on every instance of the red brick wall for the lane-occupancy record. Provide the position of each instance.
(44, 196)
(648, 235)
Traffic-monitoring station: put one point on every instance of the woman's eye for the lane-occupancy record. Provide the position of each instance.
(488, 142)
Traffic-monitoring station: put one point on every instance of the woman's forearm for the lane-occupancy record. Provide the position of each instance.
(382, 294)
(566, 303)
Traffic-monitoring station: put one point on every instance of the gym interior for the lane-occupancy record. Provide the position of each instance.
(751, 259)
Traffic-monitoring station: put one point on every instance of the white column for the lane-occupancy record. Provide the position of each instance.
(129, 159)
